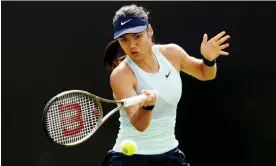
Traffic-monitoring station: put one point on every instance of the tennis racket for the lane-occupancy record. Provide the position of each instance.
(72, 117)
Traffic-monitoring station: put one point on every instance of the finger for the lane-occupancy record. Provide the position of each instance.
(149, 94)
(218, 36)
(151, 101)
(145, 92)
(220, 41)
(224, 53)
(149, 91)
(224, 46)
(205, 38)
(152, 95)
(155, 93)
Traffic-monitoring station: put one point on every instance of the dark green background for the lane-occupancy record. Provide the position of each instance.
(50, 47)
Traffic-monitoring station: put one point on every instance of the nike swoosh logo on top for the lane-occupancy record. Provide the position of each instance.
(122, 23)
(167, 75)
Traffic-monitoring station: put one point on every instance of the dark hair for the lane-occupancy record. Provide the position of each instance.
(113, 53)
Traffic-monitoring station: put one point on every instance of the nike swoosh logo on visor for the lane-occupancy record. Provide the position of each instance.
(122, 23)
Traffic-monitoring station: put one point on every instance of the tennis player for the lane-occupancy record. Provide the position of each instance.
(138, 66)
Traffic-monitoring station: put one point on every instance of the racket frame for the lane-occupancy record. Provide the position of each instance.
(120, 104)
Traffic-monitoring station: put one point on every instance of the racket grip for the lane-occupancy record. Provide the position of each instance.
(134, 100)
(137, 99)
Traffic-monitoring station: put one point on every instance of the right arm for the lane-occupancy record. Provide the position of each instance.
(122, 84)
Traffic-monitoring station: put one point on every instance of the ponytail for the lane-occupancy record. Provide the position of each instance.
(113, 55)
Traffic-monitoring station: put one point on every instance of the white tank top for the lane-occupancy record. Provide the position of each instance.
(159, 137)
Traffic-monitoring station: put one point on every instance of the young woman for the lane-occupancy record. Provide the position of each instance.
(138, 66)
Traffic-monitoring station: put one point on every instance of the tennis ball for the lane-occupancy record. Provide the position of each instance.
(128, 147)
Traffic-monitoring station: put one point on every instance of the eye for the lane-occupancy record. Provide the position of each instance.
(138, 36)
(123, 40)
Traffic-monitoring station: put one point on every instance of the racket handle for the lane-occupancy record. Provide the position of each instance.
(134, 100)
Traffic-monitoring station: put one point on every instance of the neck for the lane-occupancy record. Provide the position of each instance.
(149, 63)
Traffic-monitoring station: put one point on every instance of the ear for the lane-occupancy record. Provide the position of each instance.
(150, 31)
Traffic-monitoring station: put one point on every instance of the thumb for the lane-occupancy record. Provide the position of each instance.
(145, 92)
(205, 38)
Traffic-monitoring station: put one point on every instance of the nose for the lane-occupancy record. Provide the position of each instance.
(132, 43)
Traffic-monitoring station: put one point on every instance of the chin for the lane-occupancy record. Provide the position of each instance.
(137, 57)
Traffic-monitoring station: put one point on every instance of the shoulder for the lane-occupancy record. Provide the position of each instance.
(123, 81)
(121, 71)
(171, 50)
(122, 74)
(174, 53)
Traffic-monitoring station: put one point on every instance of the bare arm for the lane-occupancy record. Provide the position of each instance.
(188, 64)
(121, 81)
(196, 67)
(210, 50)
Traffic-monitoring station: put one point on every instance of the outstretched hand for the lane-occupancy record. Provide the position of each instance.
(213, 48)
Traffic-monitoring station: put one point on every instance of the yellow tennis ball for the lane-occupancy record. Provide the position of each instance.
(128, 147)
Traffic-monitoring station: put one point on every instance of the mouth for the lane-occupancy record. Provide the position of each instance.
(134, 53)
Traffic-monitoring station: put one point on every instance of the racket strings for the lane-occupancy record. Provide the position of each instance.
(72, 117)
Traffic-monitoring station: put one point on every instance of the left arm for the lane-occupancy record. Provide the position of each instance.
(210, 50)
(192, 66)
(195, 67)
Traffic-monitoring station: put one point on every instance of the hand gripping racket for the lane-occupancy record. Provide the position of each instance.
(72, 117)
